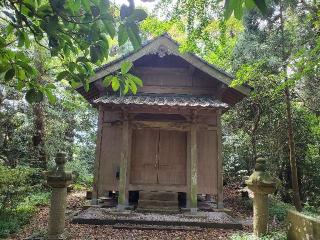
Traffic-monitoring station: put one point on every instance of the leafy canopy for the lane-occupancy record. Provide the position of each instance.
(76, 33)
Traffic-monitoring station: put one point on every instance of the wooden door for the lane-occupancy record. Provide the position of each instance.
(172, 158)
(158, 157)
(143, 158)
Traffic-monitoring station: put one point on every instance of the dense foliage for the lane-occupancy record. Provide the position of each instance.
(77, 34)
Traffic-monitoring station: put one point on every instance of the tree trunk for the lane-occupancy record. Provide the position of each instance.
(292, 154)
(254, 128)
(69, 134)
(292, 151)
(39, 136)
(41, 157)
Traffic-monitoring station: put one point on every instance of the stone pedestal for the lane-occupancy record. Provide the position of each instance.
(261, 184)
(58, 179)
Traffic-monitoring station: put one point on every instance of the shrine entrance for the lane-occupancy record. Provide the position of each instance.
(159, 157)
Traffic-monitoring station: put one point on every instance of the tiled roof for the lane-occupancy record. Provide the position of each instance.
(163, 100)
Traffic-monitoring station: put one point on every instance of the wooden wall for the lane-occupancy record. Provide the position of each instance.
(175, 80)
(110, 150)
(110, 154)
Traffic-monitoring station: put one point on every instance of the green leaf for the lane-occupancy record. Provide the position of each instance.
(20, 39)
(94, 53)
(23, 39)
(115, 84)
(250, 4)
(104, 44)
(125, 67)
(126, 88)
(107, 80)
(110, 28)
(20, 84)
(51, 86)
(30, 70)
(228, 8)
(52, 98)
(135, 79)
(85, 4)
(75, 84)
(137, 15)
(2, 42)
(133, 33)
(262, 6)
(85, 84)
(3, 67)
(238, 9)
(133, 87)
(122, 35)
(62, 75)
(21, 74)
(9, 74)
(34, 96)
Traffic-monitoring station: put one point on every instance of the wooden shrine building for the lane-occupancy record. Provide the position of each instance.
(167, 137)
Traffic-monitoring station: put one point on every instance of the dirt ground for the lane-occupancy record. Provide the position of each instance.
(38, 224)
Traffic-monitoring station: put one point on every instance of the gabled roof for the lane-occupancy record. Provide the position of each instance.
(166, 45)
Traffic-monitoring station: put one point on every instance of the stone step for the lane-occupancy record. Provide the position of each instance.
(157, 204)
(156, 227)
(162, 210)
(161, 196)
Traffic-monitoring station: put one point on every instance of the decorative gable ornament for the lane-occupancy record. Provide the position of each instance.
(162, 51)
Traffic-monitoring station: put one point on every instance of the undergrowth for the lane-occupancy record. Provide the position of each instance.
(11, 220)
(279, 235)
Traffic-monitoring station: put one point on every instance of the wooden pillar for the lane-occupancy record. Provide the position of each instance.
(95, 193)
(193, 179)
(123, 192)
(220, 162)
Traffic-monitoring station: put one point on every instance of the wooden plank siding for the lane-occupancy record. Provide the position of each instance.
(207, 161)
(110, 152)
(157, 142)
(177, 80)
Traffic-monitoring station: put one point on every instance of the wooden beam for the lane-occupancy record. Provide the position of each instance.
(177, 90)
(95, 193)
(220, 162)
(160, 110)
(193, 192)
(157, 187)
(160, 70)
(188, 203)
(123, 191)
(178, 126)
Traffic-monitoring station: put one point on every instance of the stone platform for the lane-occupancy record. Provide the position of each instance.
(111, 216)
(155, 201)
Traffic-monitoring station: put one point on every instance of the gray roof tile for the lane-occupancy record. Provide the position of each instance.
(163, 100)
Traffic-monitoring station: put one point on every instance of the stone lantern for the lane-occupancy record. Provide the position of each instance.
(261, 184)
(58, 179)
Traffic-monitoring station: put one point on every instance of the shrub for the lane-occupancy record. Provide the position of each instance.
(35, 199)
(11, 219)
(271, 236)
(311, 211)
(81, 171)
(278, 209)
(15, 183)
